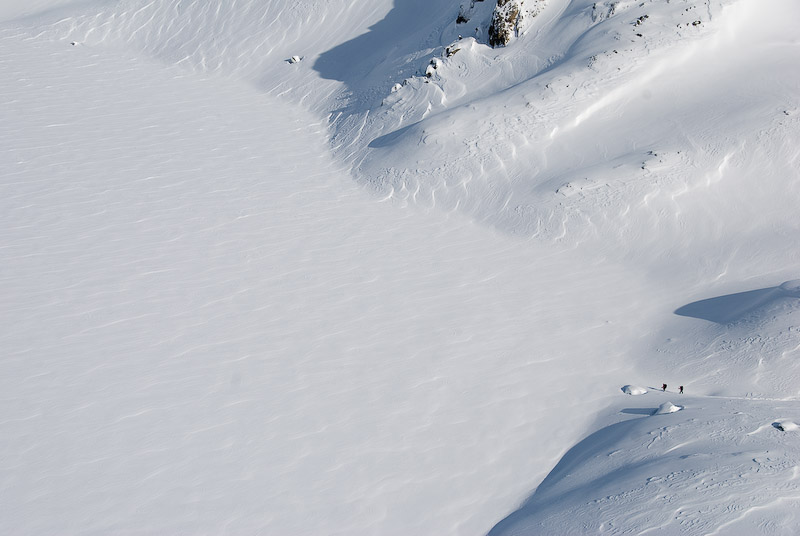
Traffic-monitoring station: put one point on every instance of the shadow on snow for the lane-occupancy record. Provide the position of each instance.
(353, 61)
(733, 307)
(548, 493)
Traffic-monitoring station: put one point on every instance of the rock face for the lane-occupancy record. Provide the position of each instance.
(505, 22)
(508, 17)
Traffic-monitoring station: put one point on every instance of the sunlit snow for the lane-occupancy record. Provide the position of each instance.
(340, 267)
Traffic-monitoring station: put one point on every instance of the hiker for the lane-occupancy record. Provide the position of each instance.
(663, 386)
(680, 389)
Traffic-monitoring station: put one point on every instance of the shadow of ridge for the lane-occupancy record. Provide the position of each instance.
(388, 139)
(545, 496)
(353, 61)
(732, 307)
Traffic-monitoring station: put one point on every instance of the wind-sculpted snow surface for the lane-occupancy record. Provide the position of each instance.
(717, 467)
(605, 121)
(210, 326)
(239, 39)
(736, 344)
(594, 122)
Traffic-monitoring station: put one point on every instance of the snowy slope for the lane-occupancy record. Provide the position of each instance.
(339, 296)
(717, 466)
(209, 327)
(611, 133)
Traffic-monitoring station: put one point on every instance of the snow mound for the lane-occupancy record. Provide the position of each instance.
(634, 390)
(667, 407)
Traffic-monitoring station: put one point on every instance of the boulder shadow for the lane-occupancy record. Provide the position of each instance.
(639, 411)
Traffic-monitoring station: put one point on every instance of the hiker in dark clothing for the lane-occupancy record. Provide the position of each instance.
(680, 389)
(663, 386)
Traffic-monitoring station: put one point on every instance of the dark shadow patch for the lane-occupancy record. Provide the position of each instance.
(388, 139)
(353, 61)
(732, 307)
(544, 496)
(639, 411)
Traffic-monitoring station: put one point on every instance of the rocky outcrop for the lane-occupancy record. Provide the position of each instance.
(508, 17)
(505, 22)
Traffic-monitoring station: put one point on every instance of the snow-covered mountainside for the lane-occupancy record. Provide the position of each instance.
(343, 267)
(706, 466)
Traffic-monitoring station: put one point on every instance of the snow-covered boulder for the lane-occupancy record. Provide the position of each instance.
(634, 390)
(785, 425)
(667, 407)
